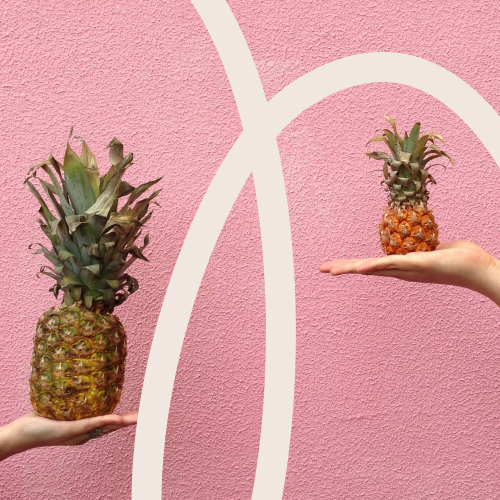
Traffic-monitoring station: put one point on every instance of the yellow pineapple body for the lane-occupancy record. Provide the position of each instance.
(78, 363)
(407, 229)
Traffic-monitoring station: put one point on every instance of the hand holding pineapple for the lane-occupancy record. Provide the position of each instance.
(458, 263)
(32, 431)
(79, 354)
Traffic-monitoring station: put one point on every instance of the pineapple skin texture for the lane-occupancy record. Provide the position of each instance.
(78, 364)
(406, 229)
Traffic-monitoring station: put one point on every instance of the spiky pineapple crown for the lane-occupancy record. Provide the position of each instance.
(406, 172)
(93, 242)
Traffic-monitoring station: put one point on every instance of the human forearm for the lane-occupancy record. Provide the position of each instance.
(9, 442)
(489, 286)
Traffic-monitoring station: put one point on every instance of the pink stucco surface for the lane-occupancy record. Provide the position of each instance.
(397, 389)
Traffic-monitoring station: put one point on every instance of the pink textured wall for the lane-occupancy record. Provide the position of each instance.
(397, 392)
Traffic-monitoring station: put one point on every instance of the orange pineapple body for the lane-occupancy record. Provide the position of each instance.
(417, 231)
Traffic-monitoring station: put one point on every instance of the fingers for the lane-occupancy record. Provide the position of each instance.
(325, 268)
(117, 419)
(81, 427)
(389, 264)
(70, 430)
(366, 266)
(411, 262)
(106, 424)
(129, 418)
(108, 429)
(337, 267)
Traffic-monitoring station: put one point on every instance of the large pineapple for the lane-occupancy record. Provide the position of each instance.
(80, 346)
(408, 225)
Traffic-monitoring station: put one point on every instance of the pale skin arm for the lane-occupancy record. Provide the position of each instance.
(458, 263)
(32, 431)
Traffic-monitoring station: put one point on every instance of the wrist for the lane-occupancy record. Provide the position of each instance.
(12, 440)
(490, 286)
(7, 442)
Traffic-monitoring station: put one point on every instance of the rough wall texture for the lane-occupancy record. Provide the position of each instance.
(397, 388)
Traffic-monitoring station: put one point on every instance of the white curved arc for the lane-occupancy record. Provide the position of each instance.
(174, 317)
(210, 217)
(277, 252)
(372, 67)
(258, 152)
(236, 59)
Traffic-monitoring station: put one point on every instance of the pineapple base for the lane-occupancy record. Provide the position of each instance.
(406, 229)
(78, 363)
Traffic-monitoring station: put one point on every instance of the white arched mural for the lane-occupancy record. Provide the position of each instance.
(256, 152)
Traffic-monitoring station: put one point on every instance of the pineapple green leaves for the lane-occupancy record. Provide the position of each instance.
(77, 182)
(94, 241)
(410, 149)
(406, 168)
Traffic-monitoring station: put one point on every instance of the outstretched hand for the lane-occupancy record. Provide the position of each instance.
(459, 263)
(32, 431)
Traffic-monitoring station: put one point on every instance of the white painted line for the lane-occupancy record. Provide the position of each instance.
(255, 151)
(278, 271)
(375, 67)
(174, 317)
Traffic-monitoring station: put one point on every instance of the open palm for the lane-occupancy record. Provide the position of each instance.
(32, 431)
(459, 263)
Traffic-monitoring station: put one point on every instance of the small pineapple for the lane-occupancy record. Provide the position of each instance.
(408, 225)
(78, 363)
